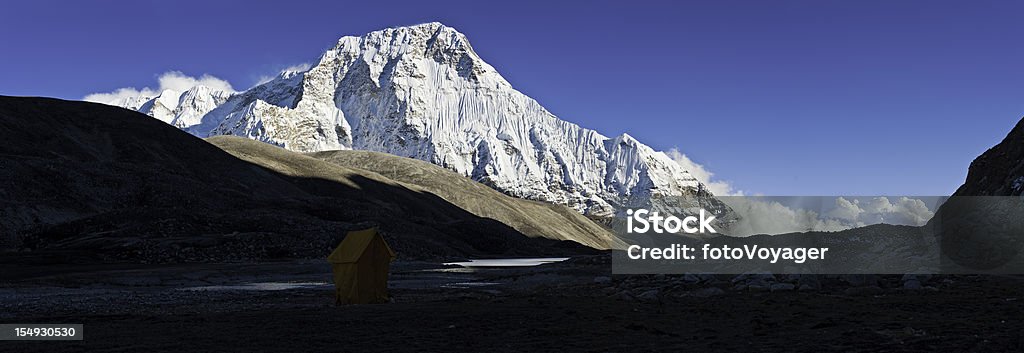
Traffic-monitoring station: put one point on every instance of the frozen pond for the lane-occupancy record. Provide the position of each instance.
(454, 277)
(262, 286)
(508, 262)
(465, 285)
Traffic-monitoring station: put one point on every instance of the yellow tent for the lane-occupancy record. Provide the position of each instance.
(360, 265)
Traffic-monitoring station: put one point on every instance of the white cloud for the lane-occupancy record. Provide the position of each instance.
(915, 210)
(766, 216)
(175, 80)
(878, 205)
(846, 209)
(172, 80)
(905, 210)
(263, 79)
(117, 96)
(284, 72)
(297, 68)
(717, 187)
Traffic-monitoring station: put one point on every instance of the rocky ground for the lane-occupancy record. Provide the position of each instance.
(574, 305)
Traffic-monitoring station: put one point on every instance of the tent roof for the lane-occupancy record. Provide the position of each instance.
(354, 245)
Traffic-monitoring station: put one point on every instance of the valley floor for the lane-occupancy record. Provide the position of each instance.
(569, 306)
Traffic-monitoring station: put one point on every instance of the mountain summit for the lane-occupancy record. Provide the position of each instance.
(422, 92)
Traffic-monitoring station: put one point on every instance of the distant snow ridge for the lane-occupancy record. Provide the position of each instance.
(422, 92)
(181, 109)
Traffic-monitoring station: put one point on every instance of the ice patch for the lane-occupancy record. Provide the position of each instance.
(262, 286)
(508, 262)
(466, 285)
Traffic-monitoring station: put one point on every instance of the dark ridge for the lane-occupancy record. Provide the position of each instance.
(999, 170)
(98, 183)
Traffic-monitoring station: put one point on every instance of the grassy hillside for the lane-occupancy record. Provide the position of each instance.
(535, 219)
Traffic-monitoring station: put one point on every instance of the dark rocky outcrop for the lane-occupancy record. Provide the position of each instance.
(1000, 170)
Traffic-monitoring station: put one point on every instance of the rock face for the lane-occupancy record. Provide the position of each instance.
(1000, 170)
(422, 92)
(980, 231)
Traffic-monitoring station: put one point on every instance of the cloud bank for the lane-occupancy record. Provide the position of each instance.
(284, 72)
(171, 80)
(767, 215)
(905, 210)
(705, 176)
(771, 215)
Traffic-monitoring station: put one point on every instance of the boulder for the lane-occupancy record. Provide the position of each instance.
(782, 287)
(912, 285)
(863, 291)
(649, 296)
(708, 292)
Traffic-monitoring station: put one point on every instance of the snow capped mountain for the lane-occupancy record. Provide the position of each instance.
(181, 109)
(422, 92)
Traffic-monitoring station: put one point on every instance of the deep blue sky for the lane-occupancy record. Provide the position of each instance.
(778, 97)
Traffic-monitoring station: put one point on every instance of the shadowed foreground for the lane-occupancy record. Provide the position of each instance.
(558, 307)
